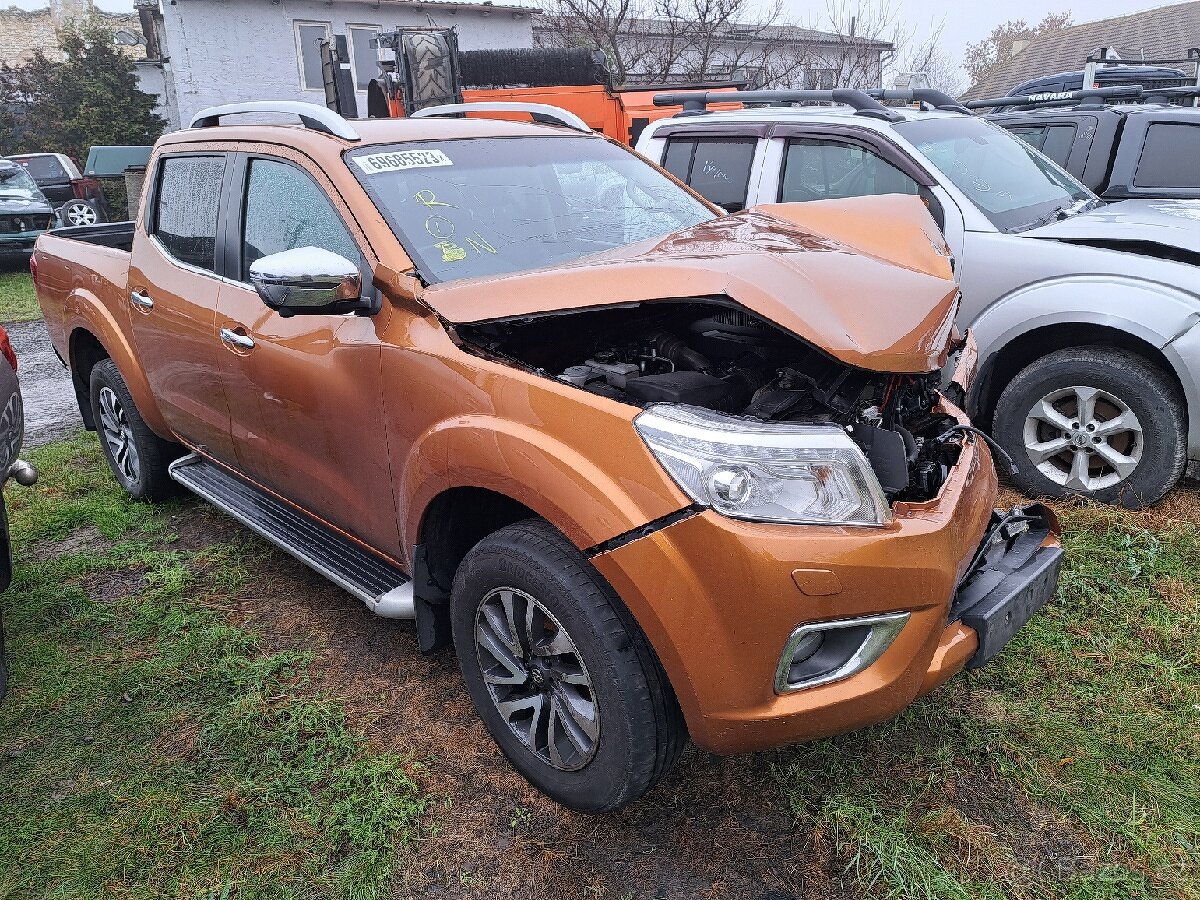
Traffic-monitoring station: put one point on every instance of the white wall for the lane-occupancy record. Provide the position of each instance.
(225, 51)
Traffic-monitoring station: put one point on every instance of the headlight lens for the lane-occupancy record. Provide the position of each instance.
(765, 471)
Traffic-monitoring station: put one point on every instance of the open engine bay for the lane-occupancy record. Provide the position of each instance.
(718, 356)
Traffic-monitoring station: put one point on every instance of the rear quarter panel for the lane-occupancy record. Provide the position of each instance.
(84, 287)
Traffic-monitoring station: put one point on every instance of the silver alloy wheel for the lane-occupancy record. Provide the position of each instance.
(114, 424)
(80, 214)
(537, 678)
(1083, 438)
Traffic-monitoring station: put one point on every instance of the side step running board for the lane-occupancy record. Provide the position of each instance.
(383, 587)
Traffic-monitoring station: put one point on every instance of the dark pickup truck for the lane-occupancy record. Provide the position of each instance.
(1119, 150)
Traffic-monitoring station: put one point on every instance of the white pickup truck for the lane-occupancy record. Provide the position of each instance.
(1085, 314)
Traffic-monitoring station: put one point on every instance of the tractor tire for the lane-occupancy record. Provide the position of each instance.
(429, 69)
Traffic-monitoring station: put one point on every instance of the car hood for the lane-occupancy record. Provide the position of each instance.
(20, 203)
(867, 280)
(1169, 223)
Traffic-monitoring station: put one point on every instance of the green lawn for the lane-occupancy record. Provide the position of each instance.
(18, 303)
(149, 746)
(154, 746)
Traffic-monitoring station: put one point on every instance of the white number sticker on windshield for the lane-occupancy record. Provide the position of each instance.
(400, 160)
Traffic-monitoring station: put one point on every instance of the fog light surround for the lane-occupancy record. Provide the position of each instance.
(823, 652)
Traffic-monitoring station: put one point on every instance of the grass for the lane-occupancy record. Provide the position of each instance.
(18, 303)
(1068, 767)
(149, 745)
(153, 746)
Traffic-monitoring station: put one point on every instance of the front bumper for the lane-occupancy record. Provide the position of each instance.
(719, 599)
(20, 242)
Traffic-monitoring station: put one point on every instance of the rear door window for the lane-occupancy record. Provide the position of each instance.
(1055, 141)
(1169, 157)
(187, 200)
(716, 168)
(815, 169)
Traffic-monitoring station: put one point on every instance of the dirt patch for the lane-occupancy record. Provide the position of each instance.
(704, 832)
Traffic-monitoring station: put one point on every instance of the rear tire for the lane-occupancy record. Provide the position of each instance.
(532, 619)
(137, 456)
(1096, 422)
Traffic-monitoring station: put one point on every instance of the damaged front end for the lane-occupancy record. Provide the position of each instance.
(748, 418)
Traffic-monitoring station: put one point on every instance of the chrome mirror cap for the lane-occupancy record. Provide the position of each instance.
(305, 278)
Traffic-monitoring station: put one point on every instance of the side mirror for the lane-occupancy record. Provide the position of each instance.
(308, 281)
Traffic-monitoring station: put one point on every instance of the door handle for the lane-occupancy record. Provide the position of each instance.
(139, 299)
(233, 339)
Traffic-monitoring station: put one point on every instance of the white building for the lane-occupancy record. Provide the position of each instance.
(225, 51)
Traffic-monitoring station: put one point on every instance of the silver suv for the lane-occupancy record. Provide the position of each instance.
(1085, 314)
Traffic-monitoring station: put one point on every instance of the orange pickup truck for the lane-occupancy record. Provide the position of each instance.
(654, 471)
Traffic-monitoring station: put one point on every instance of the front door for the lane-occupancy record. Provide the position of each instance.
(172, 294)
(304, 391)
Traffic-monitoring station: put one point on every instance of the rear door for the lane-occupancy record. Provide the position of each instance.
(173, 287)
(717, 168)
(1159, 156)
(305, 392)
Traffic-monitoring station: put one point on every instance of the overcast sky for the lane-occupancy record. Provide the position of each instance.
(965, 22)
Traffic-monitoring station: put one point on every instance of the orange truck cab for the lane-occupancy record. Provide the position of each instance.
(654, 471)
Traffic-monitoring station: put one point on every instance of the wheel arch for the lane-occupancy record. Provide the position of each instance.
(1008, 360)
(90, 331)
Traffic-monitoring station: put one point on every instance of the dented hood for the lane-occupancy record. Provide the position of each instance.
(1170, 223)
(867, 280)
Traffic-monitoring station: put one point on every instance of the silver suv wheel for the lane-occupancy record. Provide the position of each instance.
(537, 679)
(1083, 438)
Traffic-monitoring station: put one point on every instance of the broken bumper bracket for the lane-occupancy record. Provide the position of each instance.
(1013, 574)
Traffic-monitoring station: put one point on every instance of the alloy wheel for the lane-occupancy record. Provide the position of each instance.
(537, 678)
(114, 424)
(1083, 438)
(80, 214)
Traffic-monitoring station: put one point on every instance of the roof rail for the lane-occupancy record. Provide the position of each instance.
(1059, 98)
(694, 102)
(929, 96)
(542, 113)
(317, 118)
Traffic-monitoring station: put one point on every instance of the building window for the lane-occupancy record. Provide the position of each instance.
(364, 59)
(822, 79)
(308, 53)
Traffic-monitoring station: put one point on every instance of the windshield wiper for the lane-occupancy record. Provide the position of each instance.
(1080, 205)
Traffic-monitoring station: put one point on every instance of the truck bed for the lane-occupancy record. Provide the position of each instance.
(87, 261)
(117, 235)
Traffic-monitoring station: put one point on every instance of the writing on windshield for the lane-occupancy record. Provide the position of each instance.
(489, 206)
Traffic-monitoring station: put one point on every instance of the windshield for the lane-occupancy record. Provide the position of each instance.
(1011, 183)
(15, 182)
(489, 206)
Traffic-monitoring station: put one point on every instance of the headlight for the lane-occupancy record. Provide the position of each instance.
(765, 471)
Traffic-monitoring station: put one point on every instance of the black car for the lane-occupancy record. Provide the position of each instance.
(12, 433)
(1120, 150)
(1106, 76)
(24, 211)
(77, 199)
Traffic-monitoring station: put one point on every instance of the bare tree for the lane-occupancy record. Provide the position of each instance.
(711, 40)
(981, 59)
(928, 59)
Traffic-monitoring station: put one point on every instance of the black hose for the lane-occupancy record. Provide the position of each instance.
(680, 353)
(972, 430)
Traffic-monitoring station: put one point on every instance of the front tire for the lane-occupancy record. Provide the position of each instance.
(137, 456)
(564, 680)
(1096, 422)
